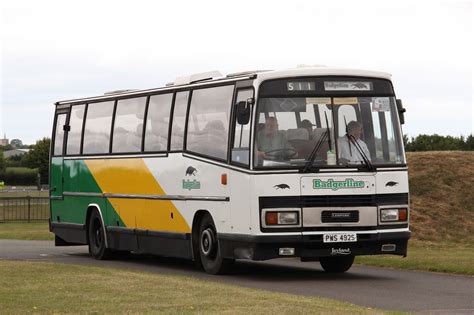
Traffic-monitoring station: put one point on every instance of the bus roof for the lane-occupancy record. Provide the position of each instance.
(302, 71)
(206, 78)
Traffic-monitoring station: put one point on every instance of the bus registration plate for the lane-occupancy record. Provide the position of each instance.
(339, 237)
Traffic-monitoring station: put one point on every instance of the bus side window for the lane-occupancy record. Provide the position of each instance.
(157, 122)
(241, 145)
(59, 134)
(208, 125)
(97, 128)
(74, 135)
(128, 125)
(179, 118)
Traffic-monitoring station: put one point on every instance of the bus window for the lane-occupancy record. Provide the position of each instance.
(241, 146)
(386, 138)
(59, 134)
(210, 109)
(97, 128)
(179, 117)
(128, 126)
(74, 134)
(157, 122)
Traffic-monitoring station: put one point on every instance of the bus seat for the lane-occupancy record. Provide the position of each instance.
(318, 132)
(297, 134)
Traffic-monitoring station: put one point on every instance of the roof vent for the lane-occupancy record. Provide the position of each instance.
(120, 92)
(204, 76)
(244, 73)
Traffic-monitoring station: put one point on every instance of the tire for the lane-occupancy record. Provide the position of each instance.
(96, 237)
(336, 264)
(209, 249)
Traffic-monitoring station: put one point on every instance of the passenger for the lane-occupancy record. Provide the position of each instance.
(306, 124)
(347, 143)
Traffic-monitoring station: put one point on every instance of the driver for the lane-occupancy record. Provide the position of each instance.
(271, 139)
(346, 146)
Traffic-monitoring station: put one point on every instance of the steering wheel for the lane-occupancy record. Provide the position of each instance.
(281, 154)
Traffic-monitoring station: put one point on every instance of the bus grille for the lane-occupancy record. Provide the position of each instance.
(339, 216)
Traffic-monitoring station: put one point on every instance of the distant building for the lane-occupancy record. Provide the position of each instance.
(10, 153)
(4, 141)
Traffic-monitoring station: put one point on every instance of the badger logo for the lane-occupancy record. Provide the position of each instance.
(359, 85)
(191, 171)
(391, 184)
(281, 186)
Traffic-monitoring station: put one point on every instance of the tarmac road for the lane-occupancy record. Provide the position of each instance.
(388, 289)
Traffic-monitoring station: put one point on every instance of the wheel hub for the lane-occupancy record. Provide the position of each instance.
(207, 242)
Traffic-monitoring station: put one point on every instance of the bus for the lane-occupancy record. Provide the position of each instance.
(305, 163)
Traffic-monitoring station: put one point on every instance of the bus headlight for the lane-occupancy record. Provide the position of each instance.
(281, 218)
(393, 215)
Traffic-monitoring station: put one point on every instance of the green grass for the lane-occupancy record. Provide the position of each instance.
(429, 256)
(26, 231)
(56, 288)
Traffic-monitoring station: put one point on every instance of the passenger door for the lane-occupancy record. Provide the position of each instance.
(57, 153)
(239, 182)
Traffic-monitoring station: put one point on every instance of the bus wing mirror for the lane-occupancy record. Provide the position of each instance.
(242, 111)
(401, 112)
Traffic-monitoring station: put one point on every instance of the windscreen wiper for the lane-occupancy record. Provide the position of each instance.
(327, 130)
(367, 162)
(353, 140)
(312, 156)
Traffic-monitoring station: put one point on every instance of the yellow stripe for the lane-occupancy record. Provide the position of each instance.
(132, 176)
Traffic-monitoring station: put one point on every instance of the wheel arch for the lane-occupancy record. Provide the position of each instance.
(195, 231)
(90, 209)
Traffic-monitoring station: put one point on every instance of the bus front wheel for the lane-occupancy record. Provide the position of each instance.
(209, 251)
(96, 237)
(336, 264)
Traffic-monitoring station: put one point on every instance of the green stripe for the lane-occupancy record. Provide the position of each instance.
(73, 209)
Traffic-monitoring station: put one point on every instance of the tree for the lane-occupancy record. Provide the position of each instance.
(38, 157)
(438, 143)
(6, 147)
(469, 143)
(2, 162)
(16, 143)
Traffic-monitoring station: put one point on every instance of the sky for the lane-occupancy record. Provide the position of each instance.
(55, 50)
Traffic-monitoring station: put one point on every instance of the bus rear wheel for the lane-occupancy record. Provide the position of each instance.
(336, 264)
(96, 237)
(209, 250)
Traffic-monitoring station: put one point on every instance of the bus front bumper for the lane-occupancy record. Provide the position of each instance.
(310, 247)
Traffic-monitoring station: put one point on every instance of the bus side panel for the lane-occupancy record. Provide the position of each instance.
(142, 224)
(70, 213)
(182, 176)
(240, 203)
